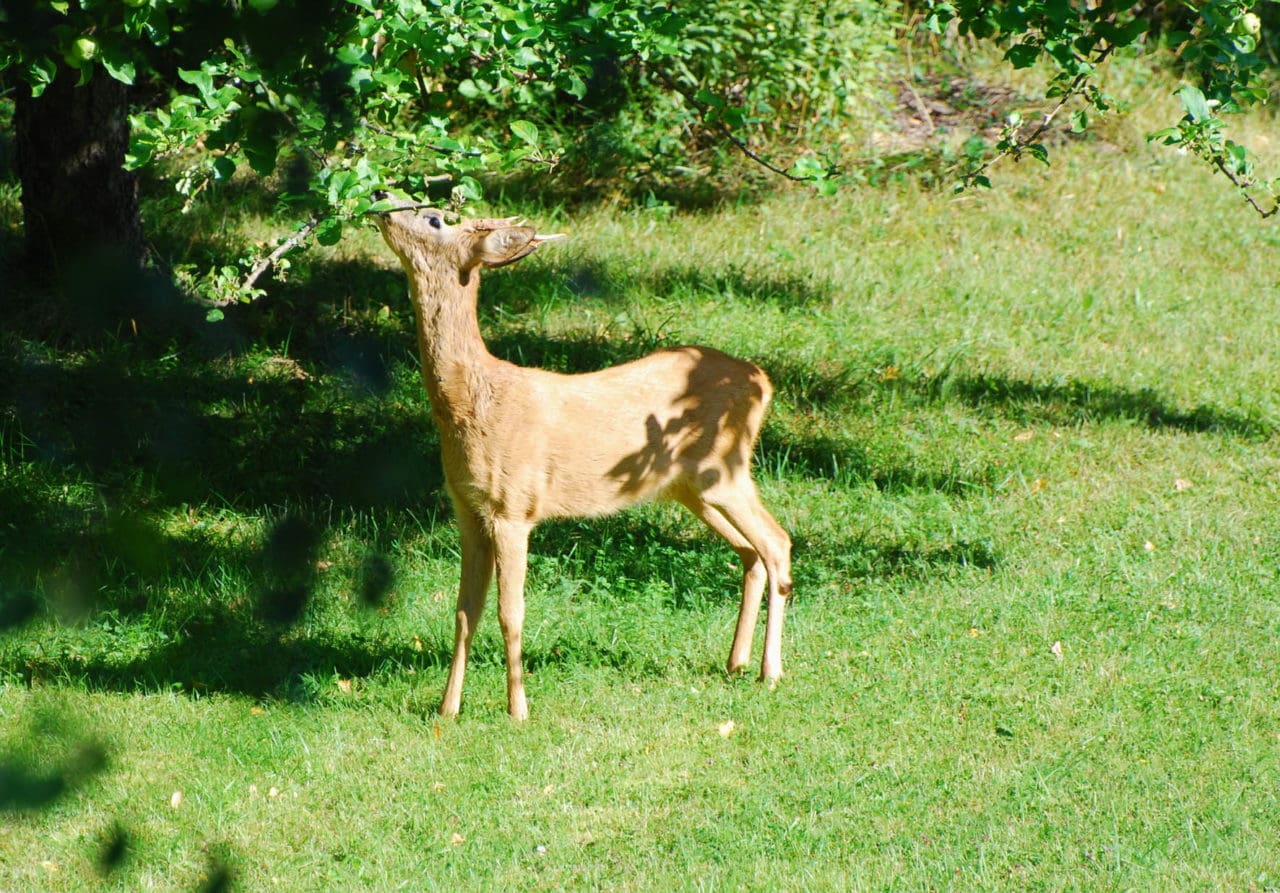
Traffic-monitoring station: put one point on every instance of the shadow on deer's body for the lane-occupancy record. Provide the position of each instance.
(522, 445)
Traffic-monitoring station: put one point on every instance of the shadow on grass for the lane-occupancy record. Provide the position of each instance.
(1076, 401)
(854, 559)
(215, 433)
(819, 457)
(302, 404)
(229, 652)
(556, 281)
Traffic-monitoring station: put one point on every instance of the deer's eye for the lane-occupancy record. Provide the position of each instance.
(434, 222)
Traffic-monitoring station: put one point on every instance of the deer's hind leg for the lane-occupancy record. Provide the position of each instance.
(753, 578)
(740, 505)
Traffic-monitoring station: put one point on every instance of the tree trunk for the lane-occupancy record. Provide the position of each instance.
(79, 204)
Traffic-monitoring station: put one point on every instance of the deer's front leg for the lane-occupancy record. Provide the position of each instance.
(511, 545)
(477, 571)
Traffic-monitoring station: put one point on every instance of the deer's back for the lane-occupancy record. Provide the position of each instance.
(554, 445)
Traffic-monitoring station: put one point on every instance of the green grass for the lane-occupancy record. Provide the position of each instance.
(1025, 442)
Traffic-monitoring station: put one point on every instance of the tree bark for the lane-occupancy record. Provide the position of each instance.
(78, 201)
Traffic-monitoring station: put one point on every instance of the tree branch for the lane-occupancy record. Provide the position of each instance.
(281, 250)
(1015, 145)
(443, 150)
(1244, 189)
(726, 131)
(418, 206)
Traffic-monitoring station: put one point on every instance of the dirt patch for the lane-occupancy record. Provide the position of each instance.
(933, 112)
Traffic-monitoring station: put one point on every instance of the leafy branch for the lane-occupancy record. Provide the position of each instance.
(1219, 48)
(718, 116)
(1012, 144)
(1201, 133)
(280, 251)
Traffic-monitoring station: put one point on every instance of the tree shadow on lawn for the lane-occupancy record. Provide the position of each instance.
(208, 432)
(1075, 401)
(576, 280)
(228, 651)
(320, 432)
(1065, 403)
(229, 647)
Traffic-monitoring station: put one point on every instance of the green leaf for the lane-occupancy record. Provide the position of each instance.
(117, 63)
(341, 184)
(329, 232)
(214, 315)
(123, 70)
(467, 190)
(350, 54)
(223, 168)
(203, 81)
(260, 138)
(807, 168)
(1194, 102)
(707, 98)
(361, 80)
(526, 132)
(1023, 55)
(40, 74)
(575, 86)
(527, 57)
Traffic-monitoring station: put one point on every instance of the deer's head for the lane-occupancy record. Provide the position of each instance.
(423, 239)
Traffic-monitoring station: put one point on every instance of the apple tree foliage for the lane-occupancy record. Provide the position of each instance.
(1216, 44)
(338, 98)
(348, 96)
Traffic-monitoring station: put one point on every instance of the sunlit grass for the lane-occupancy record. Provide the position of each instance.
(1024, 440)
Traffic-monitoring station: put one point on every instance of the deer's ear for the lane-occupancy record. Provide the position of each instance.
(506, 245)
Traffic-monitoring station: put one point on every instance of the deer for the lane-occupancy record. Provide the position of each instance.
(521, 445)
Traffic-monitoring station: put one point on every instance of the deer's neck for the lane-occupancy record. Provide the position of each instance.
(455, 361)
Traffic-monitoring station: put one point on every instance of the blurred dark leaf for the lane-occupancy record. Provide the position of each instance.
(289, 557)
(218, 878)
(16, 608)
(24, 787)
(377, 576)
(114, 850)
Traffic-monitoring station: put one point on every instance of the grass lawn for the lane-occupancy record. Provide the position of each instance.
(1025, 442)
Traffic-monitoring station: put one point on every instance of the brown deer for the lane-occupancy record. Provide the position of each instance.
(521, 445)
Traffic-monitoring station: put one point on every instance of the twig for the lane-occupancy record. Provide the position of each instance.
(1244, 190)
(747, 151)
(415, 207)
(920, 106)
(726, 131)
(383, 132)
(193, 194)
(283, 248)
(1015, 145)
(419, 80)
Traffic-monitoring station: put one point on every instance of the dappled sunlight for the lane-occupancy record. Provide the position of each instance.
(1022, 527)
